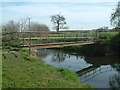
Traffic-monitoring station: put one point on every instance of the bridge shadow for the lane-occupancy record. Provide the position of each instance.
(99, 66)
(97, 62)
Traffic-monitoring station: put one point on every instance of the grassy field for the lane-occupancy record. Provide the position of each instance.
(108, 34)
(22, 71)
(78, 34)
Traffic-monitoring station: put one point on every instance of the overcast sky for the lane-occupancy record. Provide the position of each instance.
(80, 14)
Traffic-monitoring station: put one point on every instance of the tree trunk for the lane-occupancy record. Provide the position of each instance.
(58, 27)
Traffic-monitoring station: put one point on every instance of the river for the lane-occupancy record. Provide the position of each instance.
(99, 72)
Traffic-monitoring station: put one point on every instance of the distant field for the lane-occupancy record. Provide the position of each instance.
(78, 34)
(108, 34)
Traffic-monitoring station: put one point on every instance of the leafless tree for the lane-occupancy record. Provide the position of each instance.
(11, 26)
(9, 31)
(59, 21)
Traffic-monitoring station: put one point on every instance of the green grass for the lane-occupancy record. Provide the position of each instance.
(67, 35)
(23, 71)
(108, 34)
(77, 34)
(0, 71)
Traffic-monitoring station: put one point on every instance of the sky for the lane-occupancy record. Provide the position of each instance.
(80, 14)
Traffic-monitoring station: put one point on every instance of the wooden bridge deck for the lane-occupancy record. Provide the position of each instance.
(53, 45)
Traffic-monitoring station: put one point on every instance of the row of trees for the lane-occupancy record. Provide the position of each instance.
(13, 26)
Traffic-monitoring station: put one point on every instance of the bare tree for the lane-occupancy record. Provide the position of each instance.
(9, 31)
(59, 21)
(115, 16)
(23, 25)
(11, 26)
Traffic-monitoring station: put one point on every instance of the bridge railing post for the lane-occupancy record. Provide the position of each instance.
(64, 37)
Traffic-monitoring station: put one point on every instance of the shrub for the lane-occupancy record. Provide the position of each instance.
(115, 43)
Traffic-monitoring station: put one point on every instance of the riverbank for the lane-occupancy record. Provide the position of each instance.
(23, 71)
(96, 49)
(100, 48)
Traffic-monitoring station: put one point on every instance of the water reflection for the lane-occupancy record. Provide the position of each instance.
(58, 57)
(114, 80)
(104, 65)
(116, 66)
(100, 72)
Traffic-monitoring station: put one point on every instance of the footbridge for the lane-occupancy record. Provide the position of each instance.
(33, 39)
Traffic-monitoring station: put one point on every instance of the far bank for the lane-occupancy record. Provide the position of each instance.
(99, 48)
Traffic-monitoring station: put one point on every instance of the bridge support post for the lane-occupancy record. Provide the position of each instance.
(30, 45)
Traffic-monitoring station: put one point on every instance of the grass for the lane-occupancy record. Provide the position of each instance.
(22, 71)
(77, 34)
(0, 71)
(108, 34)
(68, 35)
